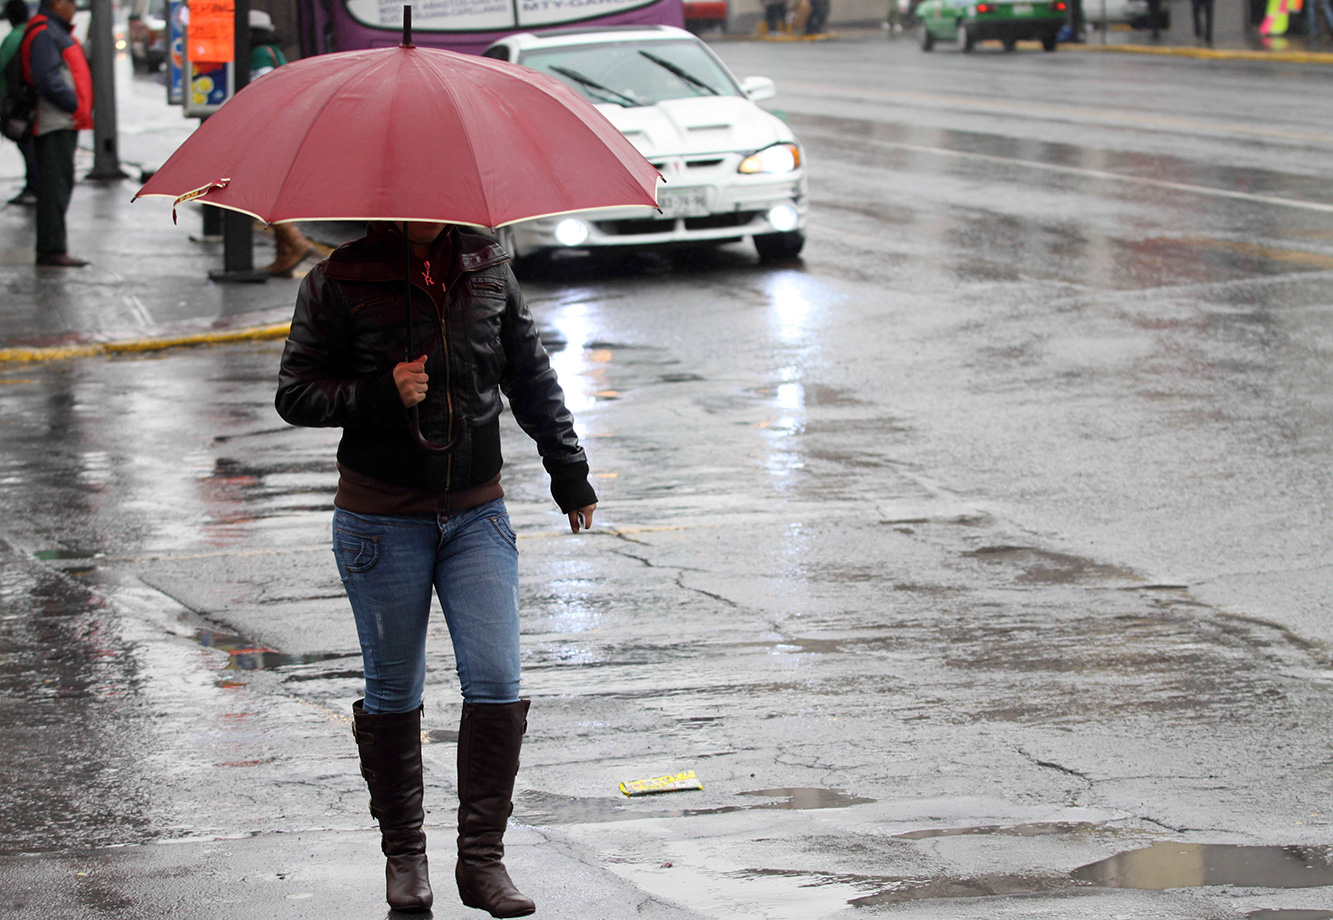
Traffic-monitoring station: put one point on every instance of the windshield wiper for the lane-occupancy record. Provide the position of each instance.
(678, 71)
(625, 99)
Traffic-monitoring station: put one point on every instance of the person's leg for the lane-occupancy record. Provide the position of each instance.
(292, 247)
(386, 565)
(477, 581)
(55, 178)
(29, 149)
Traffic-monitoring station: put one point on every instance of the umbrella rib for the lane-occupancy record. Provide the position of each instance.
(471, 150)
(305, 138)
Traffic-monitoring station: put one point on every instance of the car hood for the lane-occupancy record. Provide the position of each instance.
(688, 126)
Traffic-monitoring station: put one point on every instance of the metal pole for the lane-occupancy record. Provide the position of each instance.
(238, 235)
(106, 158)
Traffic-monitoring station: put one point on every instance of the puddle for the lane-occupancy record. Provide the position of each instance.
(1192, 865)
(802, 799)
(1012, 830)
(546, 808)
(248, 656)
(1153, 868)
(1042, 567)
(57, 555)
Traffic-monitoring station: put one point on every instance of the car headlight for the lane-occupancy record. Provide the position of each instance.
(780, 158)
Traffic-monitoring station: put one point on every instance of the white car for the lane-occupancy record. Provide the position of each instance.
(1115, 11)
(732, 170)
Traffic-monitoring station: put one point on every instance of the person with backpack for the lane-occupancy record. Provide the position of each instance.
(52, 62)
(16, 11)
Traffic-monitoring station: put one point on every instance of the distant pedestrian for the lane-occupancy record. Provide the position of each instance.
(775, 17)
(266, 55)
(1312, 15)
(16, 11)
(1202, 11)
(410, 521)
(1155, 18)
(893, 19)
(53, 63)
(818, 19)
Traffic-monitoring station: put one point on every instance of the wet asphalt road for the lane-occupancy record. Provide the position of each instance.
(982, 545)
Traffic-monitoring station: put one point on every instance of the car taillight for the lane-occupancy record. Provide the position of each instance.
(1059, 6)
(985, 7)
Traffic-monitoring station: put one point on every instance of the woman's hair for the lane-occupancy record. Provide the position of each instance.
(16, 11)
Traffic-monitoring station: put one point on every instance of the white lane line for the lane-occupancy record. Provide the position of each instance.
(1084, 172)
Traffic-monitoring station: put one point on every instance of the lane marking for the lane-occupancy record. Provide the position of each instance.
(1052, 111)
(1316, 206)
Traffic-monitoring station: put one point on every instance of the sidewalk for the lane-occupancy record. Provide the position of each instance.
(1293, 50)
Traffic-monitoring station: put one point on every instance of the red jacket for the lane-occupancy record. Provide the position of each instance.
(54, 64)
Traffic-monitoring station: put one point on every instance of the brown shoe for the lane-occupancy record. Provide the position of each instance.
(59, 260)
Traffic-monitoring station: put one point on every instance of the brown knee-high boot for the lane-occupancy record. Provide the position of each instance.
(489, 738)
(390, 748)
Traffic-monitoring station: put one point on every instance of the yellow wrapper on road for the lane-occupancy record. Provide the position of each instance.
(678, 782)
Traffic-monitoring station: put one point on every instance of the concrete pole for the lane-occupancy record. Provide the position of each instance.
(238, 234)
(106, 155)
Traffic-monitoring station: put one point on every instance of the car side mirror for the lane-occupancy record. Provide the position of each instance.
(759, 88)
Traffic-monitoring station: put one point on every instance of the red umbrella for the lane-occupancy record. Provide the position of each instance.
(407, 133)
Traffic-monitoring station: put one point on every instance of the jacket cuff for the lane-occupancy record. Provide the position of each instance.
(569, 484)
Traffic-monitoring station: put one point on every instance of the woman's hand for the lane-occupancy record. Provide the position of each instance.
(410, 378)
(581, 519)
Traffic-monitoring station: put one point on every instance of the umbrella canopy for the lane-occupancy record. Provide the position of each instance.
(406, 133)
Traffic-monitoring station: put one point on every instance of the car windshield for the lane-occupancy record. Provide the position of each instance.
(635, 73)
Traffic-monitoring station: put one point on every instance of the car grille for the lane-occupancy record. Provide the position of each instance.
(645, 226)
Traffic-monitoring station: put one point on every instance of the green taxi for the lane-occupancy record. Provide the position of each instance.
(1008, 21)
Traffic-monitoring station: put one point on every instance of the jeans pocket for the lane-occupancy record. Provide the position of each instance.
(502, 526)
(355, 552)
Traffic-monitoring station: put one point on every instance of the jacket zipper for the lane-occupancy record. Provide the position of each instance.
(448, 388)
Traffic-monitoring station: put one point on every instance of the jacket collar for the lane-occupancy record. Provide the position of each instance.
(378, 256)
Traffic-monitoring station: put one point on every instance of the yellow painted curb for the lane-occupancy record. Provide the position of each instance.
(64, 352)
(1217, 54)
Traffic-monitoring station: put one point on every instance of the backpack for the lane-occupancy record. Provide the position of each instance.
(18, 106)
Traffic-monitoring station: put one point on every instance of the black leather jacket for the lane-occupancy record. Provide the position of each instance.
(349, 330)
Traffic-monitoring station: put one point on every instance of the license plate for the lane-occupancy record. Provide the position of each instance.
(1022, 9)
(683, 202)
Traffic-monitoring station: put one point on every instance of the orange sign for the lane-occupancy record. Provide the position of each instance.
(211, 30)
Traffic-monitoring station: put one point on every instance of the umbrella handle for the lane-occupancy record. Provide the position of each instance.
(414, 425)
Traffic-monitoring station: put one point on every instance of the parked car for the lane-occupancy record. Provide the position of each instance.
(732, 170)
(1132, 12)
(1009, 21)
(148, 34)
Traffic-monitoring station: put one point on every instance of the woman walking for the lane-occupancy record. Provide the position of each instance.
(409, 520)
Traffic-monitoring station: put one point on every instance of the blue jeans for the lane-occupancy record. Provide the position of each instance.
(390, 563)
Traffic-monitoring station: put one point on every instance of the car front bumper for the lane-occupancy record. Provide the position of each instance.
(690, 214)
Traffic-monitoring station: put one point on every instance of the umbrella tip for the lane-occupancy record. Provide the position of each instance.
(407, 26)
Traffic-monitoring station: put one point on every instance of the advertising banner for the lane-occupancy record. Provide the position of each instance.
(211, 34)
(209, 49)
(177, 15)
(483, 15)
